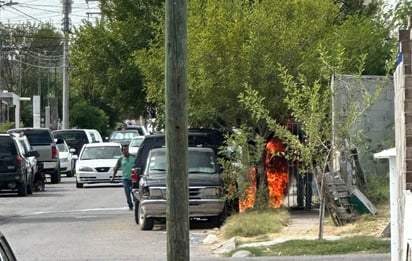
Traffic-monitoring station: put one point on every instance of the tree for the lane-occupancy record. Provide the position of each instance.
(238, 47)
(86, 116)
(103, 71)
(31, 58)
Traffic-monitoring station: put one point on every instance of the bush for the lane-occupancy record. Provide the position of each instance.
(378, 189)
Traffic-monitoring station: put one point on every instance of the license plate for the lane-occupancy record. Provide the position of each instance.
(49, 165)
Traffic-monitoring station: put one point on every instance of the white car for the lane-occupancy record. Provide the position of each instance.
(66, 157)
(96, 162)
(135, 144)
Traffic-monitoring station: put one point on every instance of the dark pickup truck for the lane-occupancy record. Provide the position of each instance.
(206, 138)
(206, 188)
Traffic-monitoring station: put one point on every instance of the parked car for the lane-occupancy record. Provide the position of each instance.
(42, 141)
(66, 158)
(140, 128)
(123, 136)
(135, 144)
(31, 155)
(205, 137)
(6, 252)
(15, 169)
(76, 138)
(206, 188)
(95, 163)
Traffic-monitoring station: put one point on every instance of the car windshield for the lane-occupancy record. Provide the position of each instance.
(101, 152)
(136, 142)
(199, 162)
(124, 135)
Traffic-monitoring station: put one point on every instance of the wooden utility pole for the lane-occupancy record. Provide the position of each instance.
(177, 220)
(67, 8)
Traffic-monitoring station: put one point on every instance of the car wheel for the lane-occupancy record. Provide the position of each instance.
(22, 189)
(217, 221)
(30, 188)
(145, 223)
(70, 173)
(79, 185)
(55, 177)
(136, 211)
(30, 184)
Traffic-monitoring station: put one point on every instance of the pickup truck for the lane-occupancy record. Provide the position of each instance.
(42, 141)
(206, 188)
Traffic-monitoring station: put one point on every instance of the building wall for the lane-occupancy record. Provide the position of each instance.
(373, 131)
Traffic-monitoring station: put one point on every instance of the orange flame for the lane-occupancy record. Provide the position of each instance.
(248, 201)
(276, 172)
(276, 176)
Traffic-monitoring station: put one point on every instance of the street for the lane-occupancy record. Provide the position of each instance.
(93, 223)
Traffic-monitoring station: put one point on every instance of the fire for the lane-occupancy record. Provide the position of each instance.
(248, 201)
(277, 177)
(276, 172)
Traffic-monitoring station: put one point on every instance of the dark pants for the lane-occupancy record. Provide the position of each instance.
(304, 189)
(127, 185)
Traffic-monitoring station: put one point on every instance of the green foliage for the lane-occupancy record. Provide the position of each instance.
(255, 222)
(377, 189)
(329, 247)
(86, 116)
(103, 58)
(31, 64)
(238, 159)
(4, 126)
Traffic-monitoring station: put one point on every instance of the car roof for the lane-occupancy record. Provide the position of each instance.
(102, 144)
(130, 130)
(208, 149)
(74, 130)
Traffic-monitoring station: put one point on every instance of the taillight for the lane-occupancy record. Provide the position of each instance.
(18, 161)
(55, 152)
(134, 176)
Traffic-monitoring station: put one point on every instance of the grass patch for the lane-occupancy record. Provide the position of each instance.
(254, 223)
(358, 244)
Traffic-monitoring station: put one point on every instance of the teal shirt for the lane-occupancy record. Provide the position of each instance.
(126, 165)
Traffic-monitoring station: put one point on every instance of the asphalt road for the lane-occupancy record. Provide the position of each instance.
(94, 223)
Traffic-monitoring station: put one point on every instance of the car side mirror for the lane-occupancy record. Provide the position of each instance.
(72, 150)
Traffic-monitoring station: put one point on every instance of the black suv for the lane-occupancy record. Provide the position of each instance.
(15, 169)
(43, 141)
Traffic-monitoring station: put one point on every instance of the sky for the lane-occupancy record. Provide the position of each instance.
(43, 11)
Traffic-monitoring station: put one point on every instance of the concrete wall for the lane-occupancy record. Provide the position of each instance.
(373, 131)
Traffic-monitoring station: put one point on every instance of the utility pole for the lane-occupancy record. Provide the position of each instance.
(177, 220)
(67, 8)
(3, 3)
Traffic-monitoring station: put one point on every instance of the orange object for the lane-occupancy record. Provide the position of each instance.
(248, 201)
(276, 172)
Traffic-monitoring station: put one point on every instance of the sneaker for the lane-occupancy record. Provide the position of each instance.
(130, 208)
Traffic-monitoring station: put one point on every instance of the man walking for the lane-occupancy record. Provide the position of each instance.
(125, 163)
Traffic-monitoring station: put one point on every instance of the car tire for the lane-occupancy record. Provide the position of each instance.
(217, 221)
(22, 189)
(136, 211)
(69, 174)
(79, 185)
(145, 223)
(55, 177)
(30, 183)
(30, 187)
